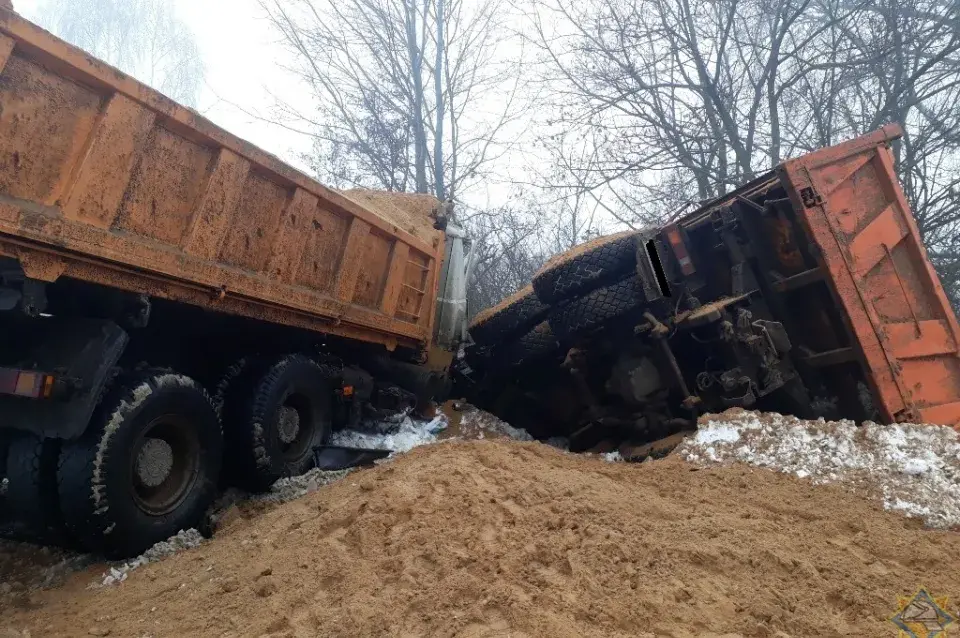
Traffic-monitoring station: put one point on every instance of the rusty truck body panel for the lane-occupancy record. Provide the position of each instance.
(851, 278)
(850, 203)
(104, 180)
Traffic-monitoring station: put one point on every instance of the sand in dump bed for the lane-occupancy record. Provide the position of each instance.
(408, 211)
(495, 538)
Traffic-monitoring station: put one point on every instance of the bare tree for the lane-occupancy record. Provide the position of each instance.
(674, 101)
(141, 37)
(675, 89)
(508, 253)
(389, 76)
(901, 63)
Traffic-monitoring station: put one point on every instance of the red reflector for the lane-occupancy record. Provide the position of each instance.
(680, 250)
(348, 390)
(26, 383)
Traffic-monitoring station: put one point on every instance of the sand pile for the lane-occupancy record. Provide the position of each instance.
(496, 538)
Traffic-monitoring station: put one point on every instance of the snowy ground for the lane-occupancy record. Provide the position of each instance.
(912, 469)
(400, 435)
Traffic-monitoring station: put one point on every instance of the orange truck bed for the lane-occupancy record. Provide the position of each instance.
(852, 207)
(854, 286)
(104, 180)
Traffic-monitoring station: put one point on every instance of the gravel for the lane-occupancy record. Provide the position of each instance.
(294, 487)
(185, 539)
(912, 469)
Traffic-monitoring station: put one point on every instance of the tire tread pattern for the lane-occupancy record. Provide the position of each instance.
(248, 420)
(513, 318)
(82, 492)
(588, 270)
(596, 308)
(32, 491)
(534, 345)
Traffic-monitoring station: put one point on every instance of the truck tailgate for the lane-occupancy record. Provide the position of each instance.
(851, 204)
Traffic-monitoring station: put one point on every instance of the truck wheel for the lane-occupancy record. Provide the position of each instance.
(275, 418)
(536, 344)
(596, 308)
(514, 315)
(32, 488)
(146, 467)
(586, 267)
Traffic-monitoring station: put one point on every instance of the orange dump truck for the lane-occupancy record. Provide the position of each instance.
(807, 291)
(175, 302)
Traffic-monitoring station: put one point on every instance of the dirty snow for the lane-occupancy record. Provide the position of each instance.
(294, 487)
(400, 436)
(912, 469)
(484, 422)
(185, 539)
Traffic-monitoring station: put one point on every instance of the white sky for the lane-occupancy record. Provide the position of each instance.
(241, 56)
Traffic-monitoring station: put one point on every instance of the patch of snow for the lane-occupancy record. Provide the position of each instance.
(484, 421)
(912, 469)
(718, 434)
(390, 435)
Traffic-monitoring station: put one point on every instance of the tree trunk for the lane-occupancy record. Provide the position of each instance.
(438, 85)
(416, 69)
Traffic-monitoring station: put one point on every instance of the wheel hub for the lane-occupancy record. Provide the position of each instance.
(154, 462)
(288, 426)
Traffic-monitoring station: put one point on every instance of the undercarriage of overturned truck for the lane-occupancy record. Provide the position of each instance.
(629, 338)
(628, 381)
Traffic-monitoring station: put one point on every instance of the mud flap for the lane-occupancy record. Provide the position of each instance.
(83, 351)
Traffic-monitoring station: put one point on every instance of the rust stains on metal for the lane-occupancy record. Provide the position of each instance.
(852, 207)
(104, 179)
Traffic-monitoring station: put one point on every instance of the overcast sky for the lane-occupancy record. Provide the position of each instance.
(241, 56)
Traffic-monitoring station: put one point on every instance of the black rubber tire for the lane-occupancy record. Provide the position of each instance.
(96, 472)
(600, 262)
(512, 316)
(596, 308)
(32, 491)
(252, 409)
(227, 382)
(535, 345)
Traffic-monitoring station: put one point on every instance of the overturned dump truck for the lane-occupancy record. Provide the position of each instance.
(179, 310)
(806, 291)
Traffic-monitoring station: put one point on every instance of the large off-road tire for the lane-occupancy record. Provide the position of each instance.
(514, 315)
(147, 466)
(586, 267)
(32, 496)
(535, 345)
(274, 415)
(596, 308)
